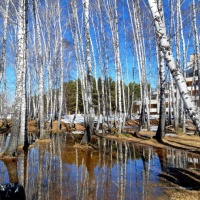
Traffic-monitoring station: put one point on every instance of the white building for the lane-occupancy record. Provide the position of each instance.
(192, 83)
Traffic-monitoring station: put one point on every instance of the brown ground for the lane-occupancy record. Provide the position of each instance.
(184, 142)
(176, 140)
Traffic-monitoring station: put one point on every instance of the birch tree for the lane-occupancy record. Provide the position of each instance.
(23, 139)
(178, 62)
(184, 56)
(138, 39)
(164, 44)
(196, 56)
(41, 70)
(3, 61)
(19, 106)
(160, 133)
(79, 51)
(61, 67)
(90, 116)
(112, 13)
(106, 100)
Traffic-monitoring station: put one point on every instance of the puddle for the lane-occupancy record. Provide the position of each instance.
(113, 171)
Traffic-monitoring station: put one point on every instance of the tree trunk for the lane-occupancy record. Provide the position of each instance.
(184, 59)
(17, 126)
(160, 133)
(41, 71)
(23, 138)
(3, 64)
(90, 117)
(196, 56)
(61, 68)
(169, 58)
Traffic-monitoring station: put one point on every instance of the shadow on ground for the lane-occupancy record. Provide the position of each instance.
(182, 177)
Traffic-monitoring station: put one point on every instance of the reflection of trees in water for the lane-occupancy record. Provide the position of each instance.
(22, 165)
(60, 166)
(116, 170)
(175, 166)
(110, 177)
(12, 170)
(172, 158)
(32, 170)
(2, 172)
(2, 141)
(177, 158)
(12, 188)
(45, 170)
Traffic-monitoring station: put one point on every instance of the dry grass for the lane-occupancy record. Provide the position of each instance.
(84, 147)
(181, 141)
(7, 158)
(43, 141)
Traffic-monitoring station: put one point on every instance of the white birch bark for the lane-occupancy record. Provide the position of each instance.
(35, 72)
(150, 76)
(113, 22)
(127, 101)
(90, 118)
(196, 40)
(23, 129)
(61, 67)
(41, 70)
(77, 88)
(5, 30)
(29, 93)
(79, 52)
(48, 58)
(76, 46)
(171, 85)
(118, 63)
(98, 39)
(96, 84)
(104, 57)
(177, 48)
(160, 133)
(21, 68)
(3, 63)
(136, 29)
(169, 58)
(141, 63)
(184, 58)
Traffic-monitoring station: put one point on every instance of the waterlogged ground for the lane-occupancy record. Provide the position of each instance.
(114, 170)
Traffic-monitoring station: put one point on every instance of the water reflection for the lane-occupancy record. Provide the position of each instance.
(10, 188)
(115, 170)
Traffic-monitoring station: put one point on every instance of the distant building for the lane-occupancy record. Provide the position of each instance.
(192, 84)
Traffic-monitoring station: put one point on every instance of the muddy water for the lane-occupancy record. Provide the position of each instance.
(112, 171)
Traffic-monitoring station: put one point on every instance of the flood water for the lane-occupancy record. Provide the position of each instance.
(114, 170)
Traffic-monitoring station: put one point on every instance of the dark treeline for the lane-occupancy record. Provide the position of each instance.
(70, 95)
(131, 90)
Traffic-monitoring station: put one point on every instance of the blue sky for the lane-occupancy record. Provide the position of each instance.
(125, 52)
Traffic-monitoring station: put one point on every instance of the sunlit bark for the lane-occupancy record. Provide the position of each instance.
(20, 82)
(23, 139)
(175, 71)
(196, 56)
(90, 117)
(41, 70)
(61, 68)
(3, 63)
(160, 133)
